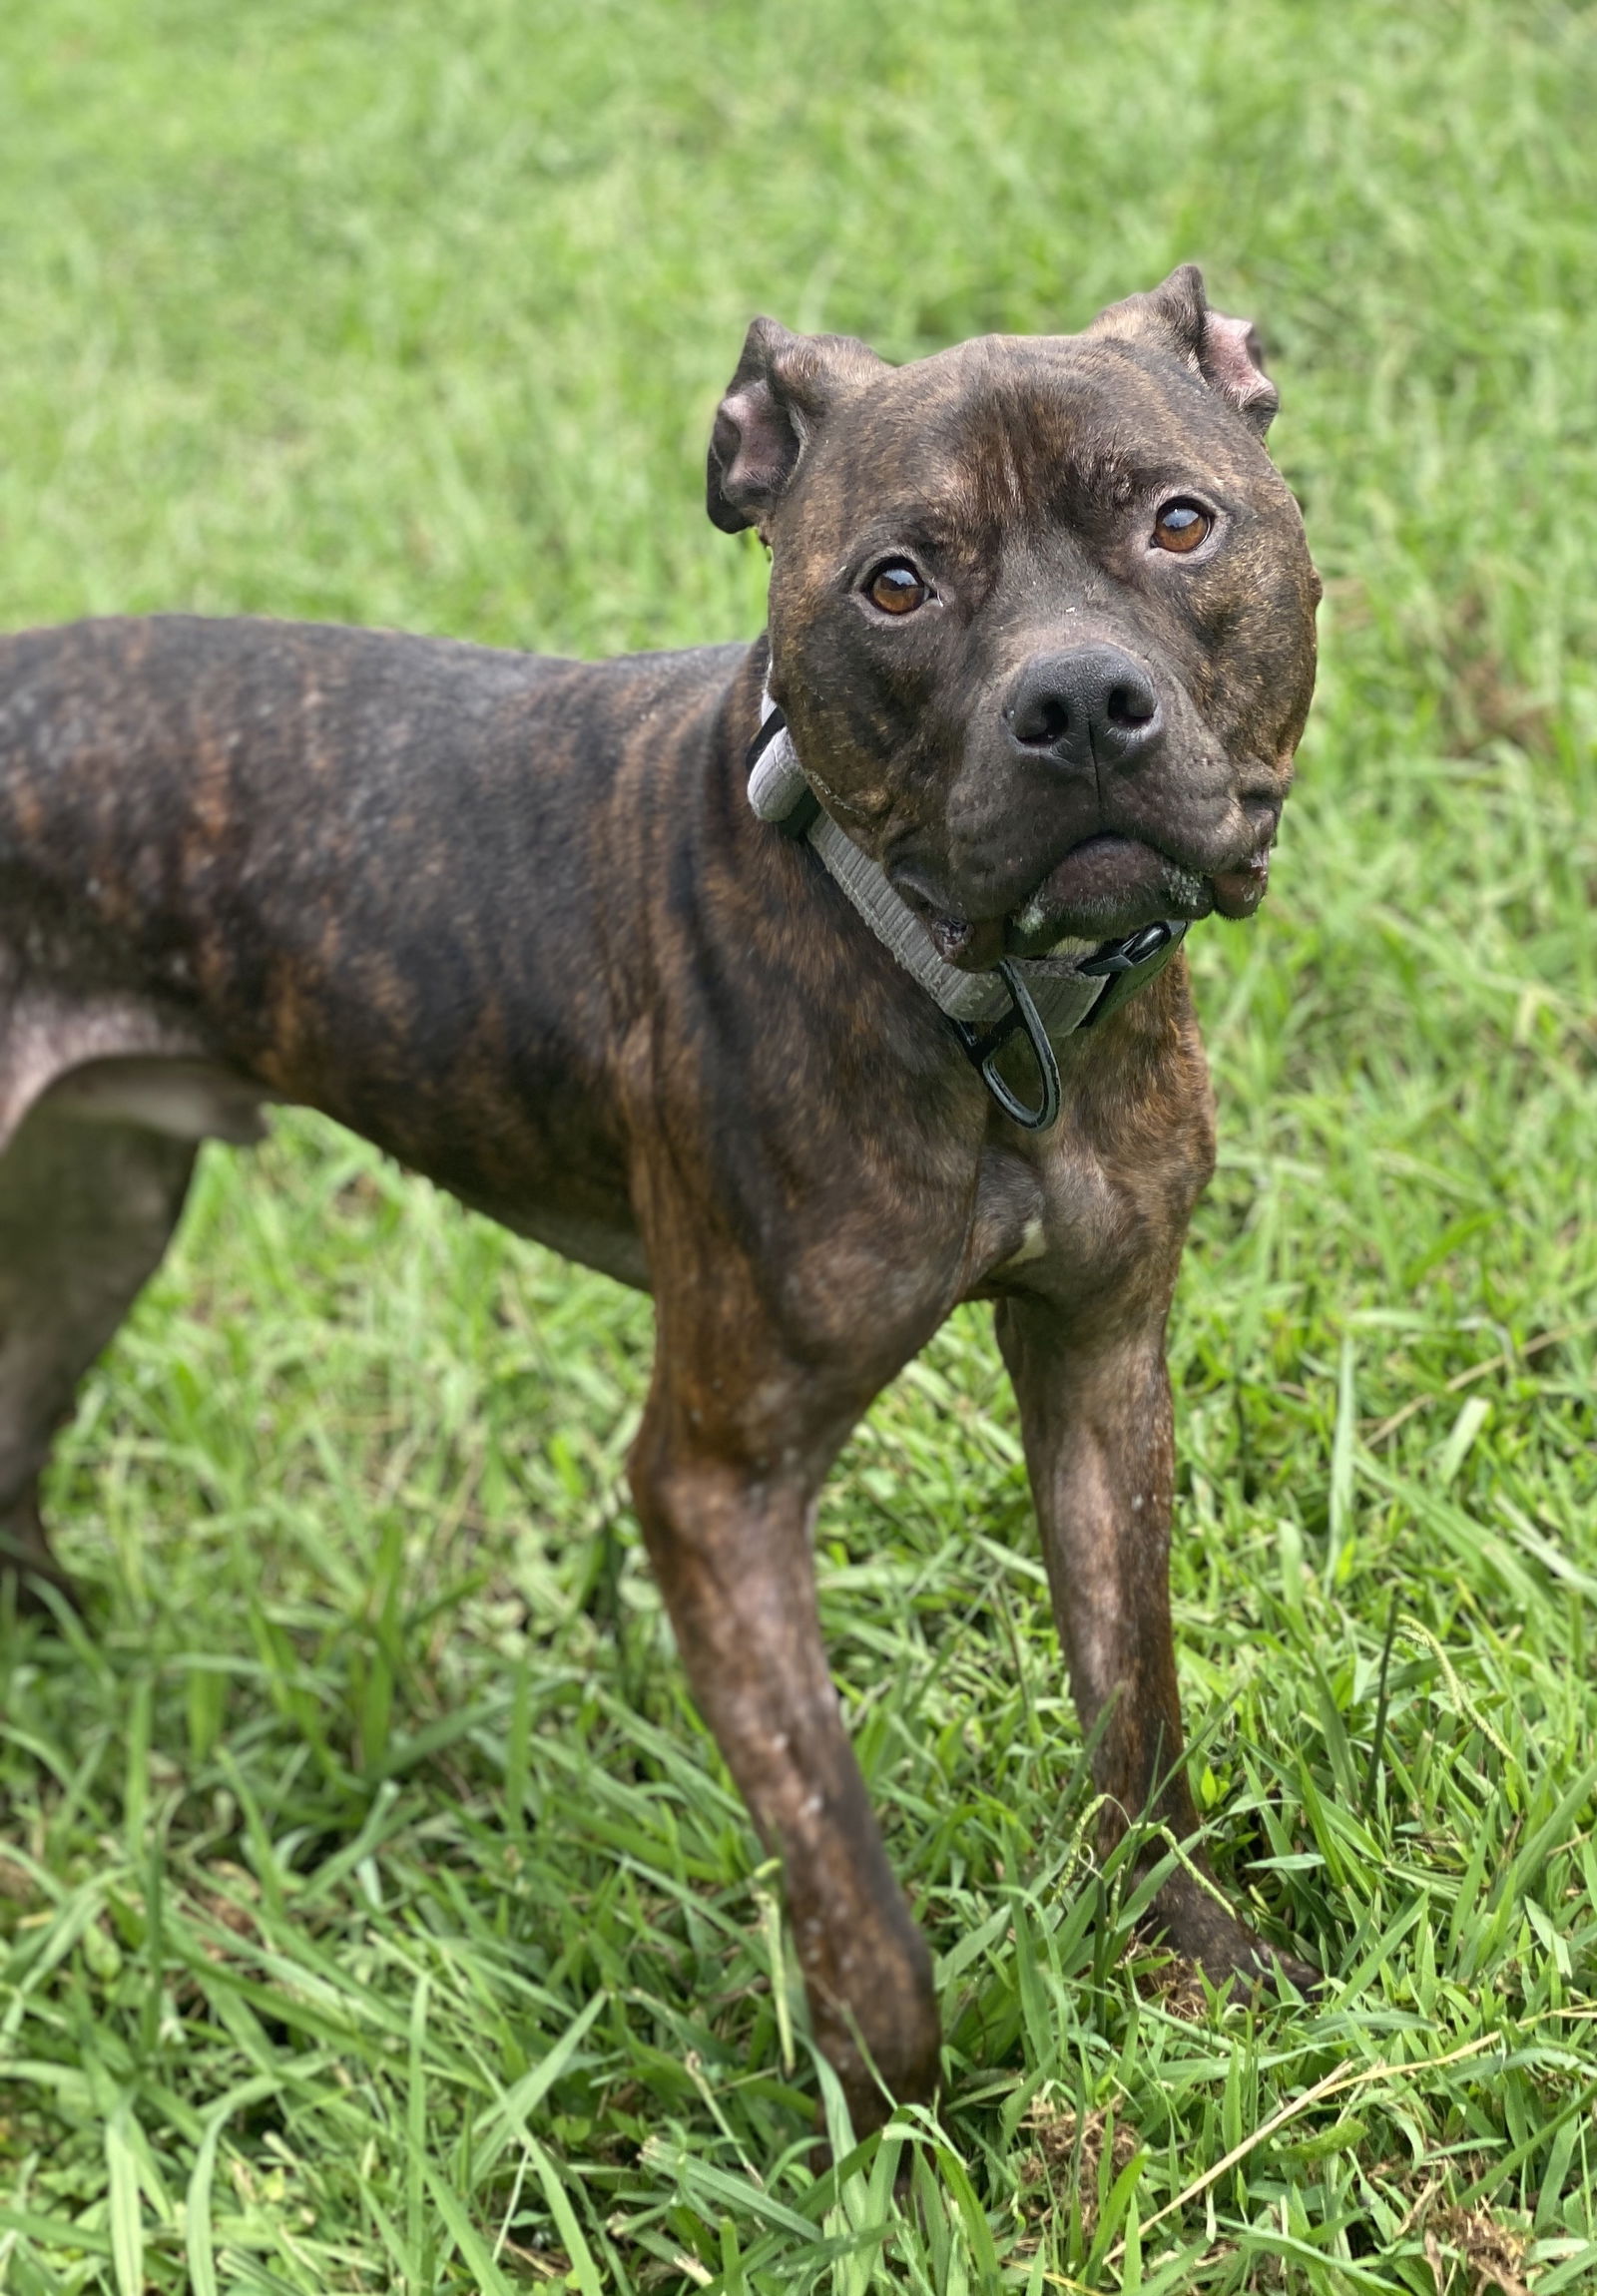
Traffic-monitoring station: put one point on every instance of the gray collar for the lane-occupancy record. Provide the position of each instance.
(1045, 998)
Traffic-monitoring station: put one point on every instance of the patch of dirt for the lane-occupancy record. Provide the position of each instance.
(227, 1910)
(544, 2263)
(16, 1883)
(1484, 702)
(1054, 2129)
(1491, 2251)
(1177, 1987)
(1481, 700)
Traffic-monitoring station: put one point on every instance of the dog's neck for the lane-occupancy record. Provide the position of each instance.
(1045, 998)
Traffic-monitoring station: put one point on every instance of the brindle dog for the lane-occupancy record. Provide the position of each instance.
(1042, 628)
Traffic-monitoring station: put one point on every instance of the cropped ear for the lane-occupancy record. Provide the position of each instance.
(781, 390)
(1226, 352)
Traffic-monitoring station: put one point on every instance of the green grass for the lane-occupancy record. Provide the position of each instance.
(374, 1911)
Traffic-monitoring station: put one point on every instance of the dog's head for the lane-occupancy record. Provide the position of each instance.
(1042, 614)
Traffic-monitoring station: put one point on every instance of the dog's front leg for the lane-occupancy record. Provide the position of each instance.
(727, 1527)
(1096, 1423)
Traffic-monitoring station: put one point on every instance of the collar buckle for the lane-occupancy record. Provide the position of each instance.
(1124, 966)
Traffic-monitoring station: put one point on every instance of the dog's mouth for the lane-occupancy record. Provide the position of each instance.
(1106, 886)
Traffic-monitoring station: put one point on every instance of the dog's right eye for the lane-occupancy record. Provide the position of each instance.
(897, 588)
(1181, 526)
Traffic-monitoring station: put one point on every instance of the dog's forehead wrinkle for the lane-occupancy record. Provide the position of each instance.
(964, 448)
(1055, 460)
(924, 522)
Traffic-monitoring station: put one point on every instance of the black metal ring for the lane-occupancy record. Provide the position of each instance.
(984, 1050)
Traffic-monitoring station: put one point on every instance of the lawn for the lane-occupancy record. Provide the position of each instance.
(374, 1912)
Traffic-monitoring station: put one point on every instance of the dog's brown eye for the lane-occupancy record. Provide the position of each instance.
(1181, 526)
(897, 588)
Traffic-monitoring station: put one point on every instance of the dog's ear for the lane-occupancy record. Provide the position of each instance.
(779, 393)
(1226, 352)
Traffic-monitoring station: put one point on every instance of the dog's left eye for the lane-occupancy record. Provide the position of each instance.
(1181, 526)
(897, 588)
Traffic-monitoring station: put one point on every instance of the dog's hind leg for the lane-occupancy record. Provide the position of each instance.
(88, 1203)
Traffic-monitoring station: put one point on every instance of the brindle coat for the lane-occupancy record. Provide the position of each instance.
(513, 919)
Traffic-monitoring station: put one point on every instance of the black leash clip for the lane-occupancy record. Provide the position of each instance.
(983, 1050)
(1122, 966)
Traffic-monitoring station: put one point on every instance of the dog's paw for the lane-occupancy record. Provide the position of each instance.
(1287, 1968)
(1233, 1957)
(27, 1570)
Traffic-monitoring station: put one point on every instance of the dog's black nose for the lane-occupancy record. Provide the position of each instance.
(1091, 706)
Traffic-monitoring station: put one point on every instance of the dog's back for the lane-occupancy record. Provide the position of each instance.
(356, 868)
(245, 861)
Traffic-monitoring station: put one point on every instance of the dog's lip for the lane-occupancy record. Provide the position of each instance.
(1107, 884)
(1239, 889)
(1113, 882)
(1238, 892)
(973, 944)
